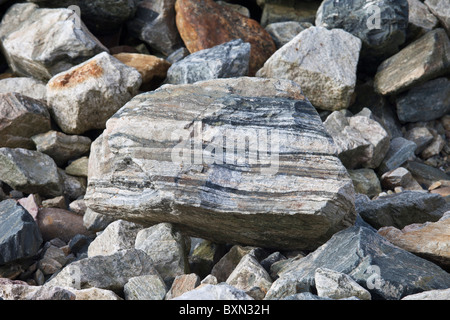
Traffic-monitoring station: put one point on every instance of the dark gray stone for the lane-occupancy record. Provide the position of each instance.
(401, 209)
(424, 174)
(227, 60)
(400, 150)
(425, 102)
(19, 234)
(358, 18)
(385, 270)
(283, 32)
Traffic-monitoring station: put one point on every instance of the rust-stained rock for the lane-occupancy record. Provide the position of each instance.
(204, 24)
(152, 69)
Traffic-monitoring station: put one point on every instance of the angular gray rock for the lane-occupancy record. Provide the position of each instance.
(30, 171)
(425, 102)
(399, 177)
(23, 291)
(424, 59)
(228, 262)
(221, 291)
(283, 32)
(420, 19)
(365, 181)
(441, 10)
(29, 87)
(323, 62)
(337, 285)
(385, 270)
(443, 294)
(95, 222)
(401, 209)
(21, 117)
(227, 60)
(118, 235)
(62, 147)
(154, 23)
(400, 150)
(380, 24)
(166, 247)
(86, 96)
(20, 235)
(110, 272)
(79, 167)
(146, 287)
(45, 42)
(421, 136)
(425, 174)
(250, 275)
(296, 198)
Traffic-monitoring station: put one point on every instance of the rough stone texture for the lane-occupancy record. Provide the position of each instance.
(45, 42)
(443, 294)
(225, 266)
(420, 19)
(360, 141)
(110, 272)
(283, 32)
(166, 247)
(441, 10)
(400, 150)
(31, 204)
(400, 272)
(94, 294)
(154, 23)
(323, 62)
(357, 18)
(425, 174)
(227, 60)
(365, 182)
(426, 58)
(12, 291)
(289, 10)
(146, 287)
(337, 285)
(435, 147)
(221, 291)
(21, 117)
(29, 87)
(30, 171)
(204, 24)
(95, 222)
(78, 168)
(62, 147)
(20, 235)
(204, 256)
(152, 69)
(430, 240)
(74, 187)
(399, 177)
(249, 274)
(421, 136)
(236, 7)
(401, 209)
(183, 283)
(60, 223)
(86, 96)
(276, 203)
(119, 235)
(425, 102)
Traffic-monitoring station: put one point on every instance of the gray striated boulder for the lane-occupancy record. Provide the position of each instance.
(86, 96)
(30, 171)
(380, 24)
(383, 269)
(323, 62)
(400, 150)
(44, 42)
(21, 117)
(227, 60)
(140, 169)
(20, 235)
(401, 209)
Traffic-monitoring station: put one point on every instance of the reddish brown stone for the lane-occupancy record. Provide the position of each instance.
(203, 24)
(78, 75)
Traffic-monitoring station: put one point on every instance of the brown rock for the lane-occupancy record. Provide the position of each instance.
(183, 283)
(430, 240)
(204, 24)
(60, 223)
(152, 69)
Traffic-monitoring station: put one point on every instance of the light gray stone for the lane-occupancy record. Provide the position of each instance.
(147, 287)
(323, 62)
(441, 10)
(283, 32)
(86, 96)
(13, 291)
(337, 285)
(94, 221)
(29, 87)
(221, 291)
(421, 136)
(443, 294)
(420, 19)
(227, 60)
(399, 177)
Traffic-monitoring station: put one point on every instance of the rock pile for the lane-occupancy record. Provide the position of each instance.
(244, 150)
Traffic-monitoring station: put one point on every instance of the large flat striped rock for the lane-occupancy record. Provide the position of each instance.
(240, 160)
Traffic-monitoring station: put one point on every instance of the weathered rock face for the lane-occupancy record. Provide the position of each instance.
(154, 23)
(21, 237)
(227, 60)
(381, 25)
(204, 24)
(220, 291)
(85, 96)
(30, 171)
(420, 19)
(21, 118)
(441, 10)
(422, 60)
(296, 197)
(45, 42)
(323, 62)
(283, 32)
(288, 10)
(29, 87)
